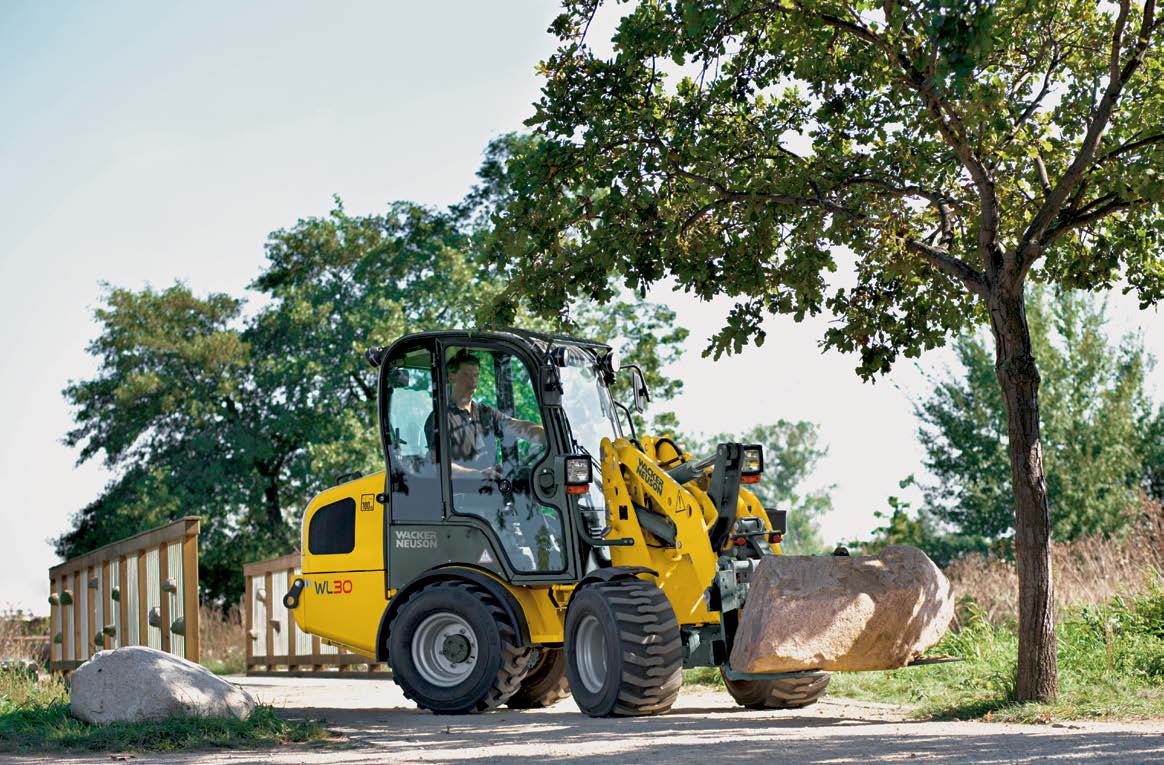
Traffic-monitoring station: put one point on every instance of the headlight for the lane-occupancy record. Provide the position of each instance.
(752, 464)
(578, 474)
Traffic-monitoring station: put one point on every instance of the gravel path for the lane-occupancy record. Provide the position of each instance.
(704, 728)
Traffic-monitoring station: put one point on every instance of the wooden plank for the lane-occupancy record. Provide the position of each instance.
(292, 650)
(147, 539)
(123, 604)
(267, 619)
(249, 619)
(91, 609)
(62, 583)
(143, 605)
(164, 600)
(106, 604)
(54, 621)
(316, 652)
(327, 659)
(78, 651)
(190, 596)
(326, 673)
(258, 568)
(64, 666)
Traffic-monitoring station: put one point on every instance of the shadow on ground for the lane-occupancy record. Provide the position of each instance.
(701, 735)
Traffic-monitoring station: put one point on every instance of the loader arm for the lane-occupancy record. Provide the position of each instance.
(679, 529)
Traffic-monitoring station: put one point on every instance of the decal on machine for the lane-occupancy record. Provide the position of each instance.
(652, 479)
(412, 539)
(485, 557)
(333, 587)
(367, 503)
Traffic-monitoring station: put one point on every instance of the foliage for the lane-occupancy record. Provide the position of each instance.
(34, 717)
(732, 145)
(902, 527)
(1101, 436)
(1111, 658)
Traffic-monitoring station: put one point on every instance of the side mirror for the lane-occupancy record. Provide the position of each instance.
(639, 389)
(374, 356)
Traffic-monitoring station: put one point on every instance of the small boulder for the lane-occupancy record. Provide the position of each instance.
(136, 683)
(842, 613)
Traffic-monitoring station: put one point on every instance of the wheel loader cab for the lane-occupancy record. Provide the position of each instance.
(471, 452)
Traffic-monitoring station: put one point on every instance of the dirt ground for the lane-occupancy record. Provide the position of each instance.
(380, 726)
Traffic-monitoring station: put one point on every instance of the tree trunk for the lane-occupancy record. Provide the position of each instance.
(1018, 376)
(271, 502)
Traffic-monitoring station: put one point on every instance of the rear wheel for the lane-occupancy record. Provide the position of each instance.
(545, 684)
(452, 649)
(780, 693)
(623, 652)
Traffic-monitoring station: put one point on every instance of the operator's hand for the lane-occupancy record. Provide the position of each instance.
(491, 473)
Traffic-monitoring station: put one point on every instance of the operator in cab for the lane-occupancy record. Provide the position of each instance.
(474, 427)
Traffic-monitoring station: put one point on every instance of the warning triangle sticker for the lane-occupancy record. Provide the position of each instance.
(485, 557)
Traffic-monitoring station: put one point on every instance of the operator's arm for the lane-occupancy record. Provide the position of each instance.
(524, 429)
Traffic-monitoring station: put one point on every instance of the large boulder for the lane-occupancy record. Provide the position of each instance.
(842, 613)
(135, 683)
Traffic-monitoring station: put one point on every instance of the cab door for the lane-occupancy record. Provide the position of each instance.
(437, 515)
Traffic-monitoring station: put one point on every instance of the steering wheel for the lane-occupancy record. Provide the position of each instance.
(518, 472)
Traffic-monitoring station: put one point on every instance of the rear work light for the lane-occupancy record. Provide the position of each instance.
(578, 474)
(752, 464)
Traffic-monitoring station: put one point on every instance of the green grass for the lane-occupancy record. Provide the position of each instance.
(1111, 666)
(34, 716)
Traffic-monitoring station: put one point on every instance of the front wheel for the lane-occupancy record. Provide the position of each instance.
(452, 650)
(779, 693)
(624, 655)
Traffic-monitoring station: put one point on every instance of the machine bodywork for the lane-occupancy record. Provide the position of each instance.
(597, 561)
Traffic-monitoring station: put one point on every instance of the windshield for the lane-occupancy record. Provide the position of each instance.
(587, 403)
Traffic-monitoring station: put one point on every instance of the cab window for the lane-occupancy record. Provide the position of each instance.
(495, 437)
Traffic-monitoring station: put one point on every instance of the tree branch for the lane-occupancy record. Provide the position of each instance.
(1151, 140)
(948, 264)
(1031, 245)
(1094, 214)
(946, 118)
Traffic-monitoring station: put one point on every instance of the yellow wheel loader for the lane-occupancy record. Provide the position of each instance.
(524, 542)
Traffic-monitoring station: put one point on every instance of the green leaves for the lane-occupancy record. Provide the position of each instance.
(734, 146)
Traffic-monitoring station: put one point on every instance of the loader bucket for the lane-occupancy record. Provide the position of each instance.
(842, 613)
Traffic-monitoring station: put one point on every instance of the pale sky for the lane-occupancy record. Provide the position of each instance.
(142, 143)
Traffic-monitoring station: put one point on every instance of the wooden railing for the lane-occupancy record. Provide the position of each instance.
(142, 590)
(275, 644)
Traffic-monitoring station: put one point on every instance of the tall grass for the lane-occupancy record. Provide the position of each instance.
(23, 638)
(223, 637)
(1087, 571)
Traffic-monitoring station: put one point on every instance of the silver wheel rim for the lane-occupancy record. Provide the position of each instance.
(438, 636)
(590, 653)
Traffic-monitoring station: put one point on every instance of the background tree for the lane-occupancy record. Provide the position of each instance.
(1101, 435)
(950, 149)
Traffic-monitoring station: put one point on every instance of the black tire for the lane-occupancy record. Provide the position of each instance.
(781, 693)
(452, 649)
(623, 652)
(545, 684)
